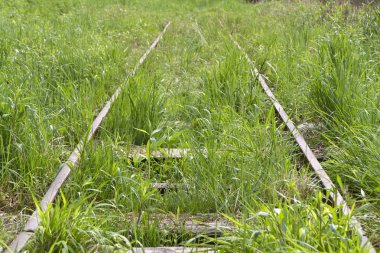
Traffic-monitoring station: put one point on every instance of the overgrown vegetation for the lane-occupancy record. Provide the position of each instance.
(61, 60)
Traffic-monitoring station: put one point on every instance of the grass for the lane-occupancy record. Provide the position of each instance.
(145, 108)
(277, 229)
(60, 61)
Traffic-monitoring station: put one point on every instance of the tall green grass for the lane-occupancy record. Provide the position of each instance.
(344, 93)
(230, 83)
(60, 61)
(313, 226)
(140, 109)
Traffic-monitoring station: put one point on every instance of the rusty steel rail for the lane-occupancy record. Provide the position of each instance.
(73, 161)
(335, 196)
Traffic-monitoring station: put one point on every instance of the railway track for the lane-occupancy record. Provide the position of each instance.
(213, 228)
